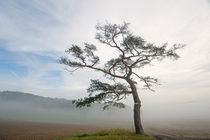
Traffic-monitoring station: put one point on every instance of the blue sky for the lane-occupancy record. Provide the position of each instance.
(28, 49)
(35, 33)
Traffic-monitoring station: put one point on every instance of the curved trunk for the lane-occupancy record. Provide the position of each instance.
(137, 105)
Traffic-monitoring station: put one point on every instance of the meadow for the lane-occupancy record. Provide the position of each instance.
(113, 134)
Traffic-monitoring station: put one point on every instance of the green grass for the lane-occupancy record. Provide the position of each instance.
(114, 134)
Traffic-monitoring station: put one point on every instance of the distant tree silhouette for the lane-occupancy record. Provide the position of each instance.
(134, 53)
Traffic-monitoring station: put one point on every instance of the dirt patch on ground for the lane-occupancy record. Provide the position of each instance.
(26, 130)
(190, 129)
(23, 130)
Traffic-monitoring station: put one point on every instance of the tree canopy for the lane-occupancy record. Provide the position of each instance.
(134, 53)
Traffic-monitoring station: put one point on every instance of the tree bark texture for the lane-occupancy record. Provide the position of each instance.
(137, 105)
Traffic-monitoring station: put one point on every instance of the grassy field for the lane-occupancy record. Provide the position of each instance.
(114, 134)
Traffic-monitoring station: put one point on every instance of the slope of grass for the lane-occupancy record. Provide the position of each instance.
(114, 134)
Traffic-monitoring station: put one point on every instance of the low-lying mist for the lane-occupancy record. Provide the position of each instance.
(21, 106)
(27, 107)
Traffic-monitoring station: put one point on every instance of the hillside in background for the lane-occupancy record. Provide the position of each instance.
(24, 106)
(35, 101)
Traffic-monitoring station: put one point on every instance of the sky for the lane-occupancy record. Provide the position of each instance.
(34, 35)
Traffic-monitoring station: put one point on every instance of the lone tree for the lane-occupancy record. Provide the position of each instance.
(133, 53)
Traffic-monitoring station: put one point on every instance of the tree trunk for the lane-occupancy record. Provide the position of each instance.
(137, 118)
(137, 105)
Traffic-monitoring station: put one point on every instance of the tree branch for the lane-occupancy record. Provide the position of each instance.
(148, 81)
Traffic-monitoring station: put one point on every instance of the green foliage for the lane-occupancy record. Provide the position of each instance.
(81, 135)
(97, 85)
(82, 55)
(114, 134)
(70, 63)
(105, 91)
